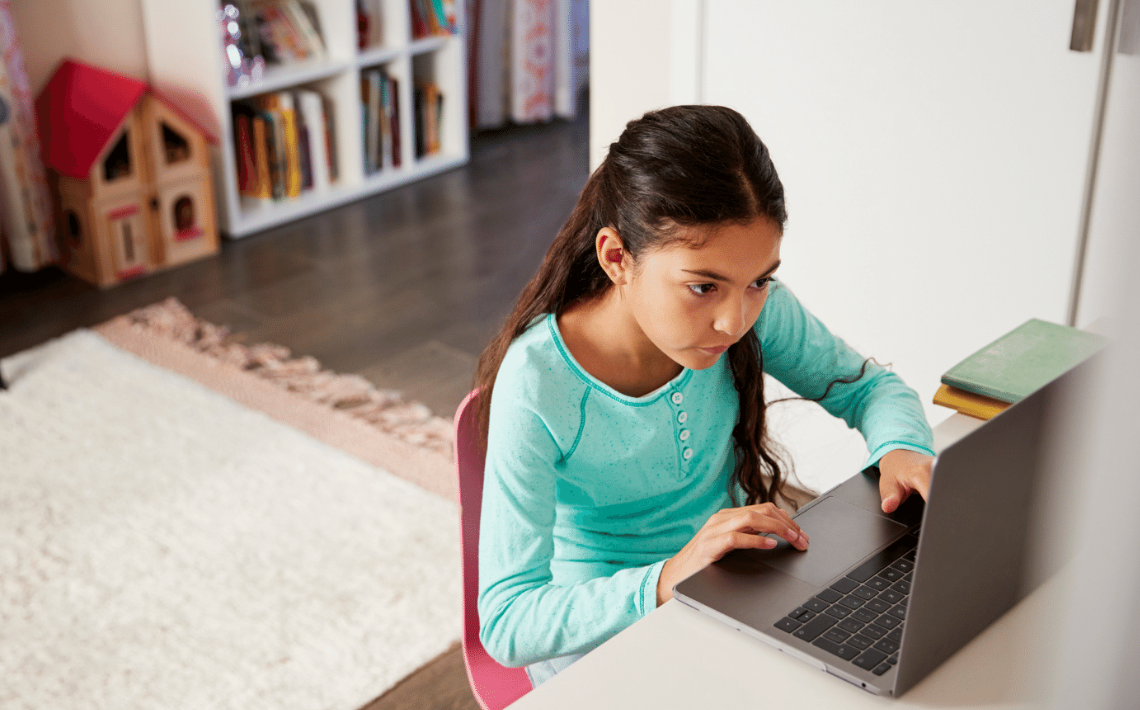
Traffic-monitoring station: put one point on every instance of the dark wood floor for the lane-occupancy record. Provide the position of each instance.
(404, 288)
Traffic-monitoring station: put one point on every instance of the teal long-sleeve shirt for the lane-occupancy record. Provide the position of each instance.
(587, 492)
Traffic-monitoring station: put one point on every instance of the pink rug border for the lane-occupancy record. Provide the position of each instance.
(428, 469)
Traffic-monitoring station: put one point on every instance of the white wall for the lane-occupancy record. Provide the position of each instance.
(108, 33)
(630, 53)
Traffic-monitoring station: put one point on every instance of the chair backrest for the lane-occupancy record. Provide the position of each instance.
(495, 686)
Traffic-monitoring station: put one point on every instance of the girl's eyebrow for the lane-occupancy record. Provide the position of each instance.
(714, 276)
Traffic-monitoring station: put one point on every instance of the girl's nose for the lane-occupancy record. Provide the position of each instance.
(730, 318)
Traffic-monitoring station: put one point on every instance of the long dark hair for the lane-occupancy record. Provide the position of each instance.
(671, 169)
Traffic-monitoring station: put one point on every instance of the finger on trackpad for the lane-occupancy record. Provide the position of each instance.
(841, 534)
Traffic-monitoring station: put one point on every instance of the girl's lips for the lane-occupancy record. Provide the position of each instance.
(717, 350)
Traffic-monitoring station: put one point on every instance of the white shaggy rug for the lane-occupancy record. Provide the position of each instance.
(164, 547)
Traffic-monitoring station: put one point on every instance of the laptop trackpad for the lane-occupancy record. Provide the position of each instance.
(841, 534)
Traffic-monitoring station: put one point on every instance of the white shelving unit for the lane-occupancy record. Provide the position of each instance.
(185, 61)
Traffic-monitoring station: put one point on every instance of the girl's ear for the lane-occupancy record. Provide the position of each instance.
(612, 256)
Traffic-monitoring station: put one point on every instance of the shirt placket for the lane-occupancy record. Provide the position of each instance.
(681, 427)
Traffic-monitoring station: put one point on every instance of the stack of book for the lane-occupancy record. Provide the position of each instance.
(285, 145)
(432, 17)
(1014, 366)
(428, 111)
(380, 118)
(278, 31)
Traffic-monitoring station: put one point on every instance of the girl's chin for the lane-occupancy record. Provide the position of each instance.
(700, 359)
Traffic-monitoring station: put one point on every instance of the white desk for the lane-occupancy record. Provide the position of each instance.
(677, 657)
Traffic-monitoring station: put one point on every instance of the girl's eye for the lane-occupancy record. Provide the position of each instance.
(761, 283)
(701, 289)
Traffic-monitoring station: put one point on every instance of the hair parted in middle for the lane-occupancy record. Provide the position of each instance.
(669, 171)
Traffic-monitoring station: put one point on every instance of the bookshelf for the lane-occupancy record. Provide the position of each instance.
(184, 53)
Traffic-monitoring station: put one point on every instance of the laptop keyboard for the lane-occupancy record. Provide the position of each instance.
(859, 618)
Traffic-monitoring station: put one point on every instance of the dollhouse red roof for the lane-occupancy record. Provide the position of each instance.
(79, 111)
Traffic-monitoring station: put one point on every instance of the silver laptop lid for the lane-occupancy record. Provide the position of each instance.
(976, 548)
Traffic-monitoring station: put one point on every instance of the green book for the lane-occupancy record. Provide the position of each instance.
(1023, 360)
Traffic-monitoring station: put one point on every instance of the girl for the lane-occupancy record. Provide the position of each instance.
(626, 422)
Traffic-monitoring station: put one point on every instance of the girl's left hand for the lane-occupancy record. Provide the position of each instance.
(902, 472)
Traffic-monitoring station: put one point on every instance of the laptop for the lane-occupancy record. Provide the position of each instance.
(881, 600)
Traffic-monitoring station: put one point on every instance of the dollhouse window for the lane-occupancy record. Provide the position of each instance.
(175, 147)
(118, 162)
(128, 243)
(183, 214)
(74, 230)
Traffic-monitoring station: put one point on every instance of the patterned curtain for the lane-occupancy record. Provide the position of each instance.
(532, 61)
(27, 229)
(524, 55)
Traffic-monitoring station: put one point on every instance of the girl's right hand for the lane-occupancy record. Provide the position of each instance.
(728, 529)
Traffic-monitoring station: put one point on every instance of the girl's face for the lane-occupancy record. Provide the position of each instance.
(694, 302)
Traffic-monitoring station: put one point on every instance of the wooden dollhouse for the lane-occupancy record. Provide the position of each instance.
(131, 173)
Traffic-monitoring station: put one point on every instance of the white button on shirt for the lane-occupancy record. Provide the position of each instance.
(682, 417)
(678, 398)
(687, 454)
(684, 434)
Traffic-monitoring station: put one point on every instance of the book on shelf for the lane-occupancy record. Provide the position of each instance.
(252, 160)
(418, 120)
(377, 124)
(370, 109)
(303, 17)
(369, 23)
(432, 18)
(282, 143)
(310, 106)
(1023, 360)
(304, 151)
(330, 137)
(975, 405)
(282, 103)
(384, 118)
(365, 97)
(380, 120)
(287, 31)
(436, 114)
(394, 91)
(427, 114)
(261, 143)
(387, 87)
(274, 151)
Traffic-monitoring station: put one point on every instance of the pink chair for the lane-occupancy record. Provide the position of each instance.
(494, 686)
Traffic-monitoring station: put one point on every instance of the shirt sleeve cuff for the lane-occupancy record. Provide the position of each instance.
(890, 446)
(647, 600)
